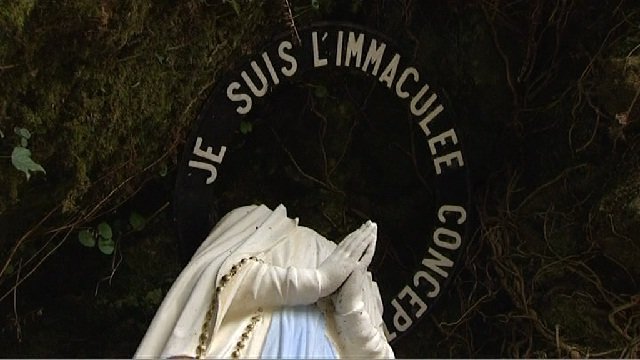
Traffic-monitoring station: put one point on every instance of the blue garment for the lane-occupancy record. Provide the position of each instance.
(298, 332)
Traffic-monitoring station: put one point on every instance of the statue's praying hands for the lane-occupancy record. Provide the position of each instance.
(354, 252)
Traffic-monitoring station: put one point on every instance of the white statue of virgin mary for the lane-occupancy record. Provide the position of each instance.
(260, 286)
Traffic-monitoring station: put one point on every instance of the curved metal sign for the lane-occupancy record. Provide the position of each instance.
(416, 276)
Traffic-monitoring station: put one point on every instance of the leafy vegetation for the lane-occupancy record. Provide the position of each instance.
(21, 156)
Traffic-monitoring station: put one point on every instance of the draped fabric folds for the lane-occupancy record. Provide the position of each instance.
(297, 332)
(284, 283)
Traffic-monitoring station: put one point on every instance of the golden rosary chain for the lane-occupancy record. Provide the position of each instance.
(209, 317)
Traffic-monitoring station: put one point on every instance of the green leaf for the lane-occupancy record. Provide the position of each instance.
(104, 230)
(137, 221)
(160, 58)
(22, 132)
(86, 238)
(21, 160)
(235, 5)
(245, 127)
(315, 4)
(106, 246)
(24, 142)
(164, 169)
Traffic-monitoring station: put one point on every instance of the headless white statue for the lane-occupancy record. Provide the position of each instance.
(260, 286)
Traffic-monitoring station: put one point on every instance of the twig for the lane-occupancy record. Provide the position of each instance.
(36, 266)
(289, 19)
(471, 308)
(503, 55)
(593, 134)
(616, 310)
(295, 163)
(632, 51)
(549, 183)
(557, 327)
(90, 214)
(114, 268)
(24, 238)
(322, 132)
(15, 305)
(149, 218)
(633, 102)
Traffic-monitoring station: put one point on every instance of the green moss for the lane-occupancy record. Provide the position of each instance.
(581, 321)
(106, 90)
(14, 14)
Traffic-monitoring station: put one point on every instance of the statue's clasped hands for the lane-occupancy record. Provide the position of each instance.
(350, 259)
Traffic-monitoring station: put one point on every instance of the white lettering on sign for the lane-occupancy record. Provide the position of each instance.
(446, 238)
(448, 160)
(414, 299)
(434, 265)
(387, 335)
(354, 48)
(293, 63)
(349, 49)
(235, 91)
(408, 71)
(374, 56)
(423, 103)
(272, 71)
(339, 49)
(317, 61)
(435, 268)
(233, 96)
(207, 155)
(344, 48)
(427, 103)
(389, 73)
(448, 136)
(427, 119)
(401, 320)
(263, 80)
(444, 209)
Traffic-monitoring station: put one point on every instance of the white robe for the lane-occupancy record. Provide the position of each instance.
(287, 276)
